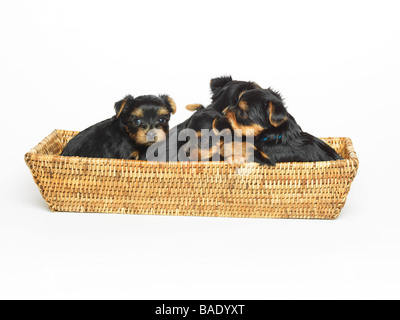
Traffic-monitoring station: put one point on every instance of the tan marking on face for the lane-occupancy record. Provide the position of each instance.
(163, 111)
(271, 112)
(138, 112)
(160, 135)
(122, 108)
(243, 105)
(252, 130)
(140, 137)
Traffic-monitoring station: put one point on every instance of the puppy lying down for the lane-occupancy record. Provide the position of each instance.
(261, 130)
(138, 123)
(277, 136)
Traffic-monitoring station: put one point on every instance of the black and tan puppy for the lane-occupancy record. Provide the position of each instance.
(278, 137)
(204, 143)
(225, 92)
(195, 141)
(138, 123)
(212, 138)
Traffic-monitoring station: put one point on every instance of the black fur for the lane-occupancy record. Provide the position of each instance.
(277, 133)
(225, 92)
(124, 135)
(222, 124)
(217, 84)
(202, 119)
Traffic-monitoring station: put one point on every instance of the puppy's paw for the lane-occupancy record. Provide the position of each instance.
(236, 161)
(135, 155)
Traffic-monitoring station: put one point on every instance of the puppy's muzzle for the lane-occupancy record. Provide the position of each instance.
(155, 135)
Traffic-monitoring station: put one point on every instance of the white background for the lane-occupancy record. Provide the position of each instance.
(63, 64)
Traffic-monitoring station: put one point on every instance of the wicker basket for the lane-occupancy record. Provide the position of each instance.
(312, 190)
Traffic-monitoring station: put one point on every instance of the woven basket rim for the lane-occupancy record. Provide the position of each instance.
(34, 153)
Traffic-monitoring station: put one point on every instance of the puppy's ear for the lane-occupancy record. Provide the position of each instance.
(169, 103)
(194, 107)
(120, 105)
(221, 124)
(277, 114)
(217, 84)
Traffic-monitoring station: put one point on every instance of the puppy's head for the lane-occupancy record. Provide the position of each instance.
(226, 91)
(208, 141)
(145, 118)
(257, 110)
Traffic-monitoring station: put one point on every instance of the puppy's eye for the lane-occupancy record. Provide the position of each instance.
(162, 120)
(138, 122)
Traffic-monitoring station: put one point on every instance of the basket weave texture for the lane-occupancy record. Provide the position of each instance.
(311, 190)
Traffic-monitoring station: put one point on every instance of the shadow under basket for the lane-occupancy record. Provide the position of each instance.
(308, 190)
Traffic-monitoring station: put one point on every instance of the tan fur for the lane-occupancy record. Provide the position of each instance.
(236, 160)
(135, 155)
(263, 154)
(214, 125)
(204, 154)
(252, 130)
(173, 105)
(237, 148)
(271, 112)
(193, 107)
(140, 137)
(243, 105)
(138, 112)
(122, 108)
(237, 153)
(163, 111)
